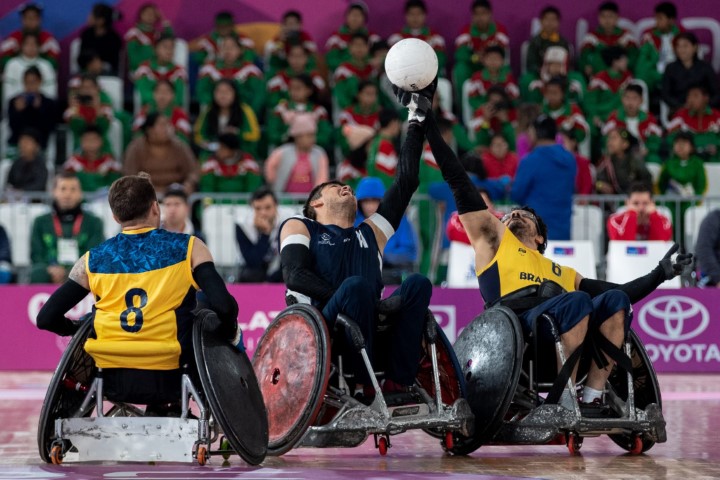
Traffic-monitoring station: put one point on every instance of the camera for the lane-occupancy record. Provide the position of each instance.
(84, 99)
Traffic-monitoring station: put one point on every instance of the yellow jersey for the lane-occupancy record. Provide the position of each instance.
(516, 266)
(144, 294)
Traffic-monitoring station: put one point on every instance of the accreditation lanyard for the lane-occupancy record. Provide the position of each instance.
(68, 250)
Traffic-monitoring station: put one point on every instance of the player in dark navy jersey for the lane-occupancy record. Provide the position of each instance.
(337, 267)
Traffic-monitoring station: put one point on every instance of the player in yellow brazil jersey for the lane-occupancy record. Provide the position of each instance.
(512, 271)
(144, 281)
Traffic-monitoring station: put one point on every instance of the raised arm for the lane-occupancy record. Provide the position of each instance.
(484, 230)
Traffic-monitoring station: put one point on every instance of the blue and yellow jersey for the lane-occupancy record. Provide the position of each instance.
(144, 293)
(516, 266)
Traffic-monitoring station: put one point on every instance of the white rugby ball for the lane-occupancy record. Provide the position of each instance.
(411, 64)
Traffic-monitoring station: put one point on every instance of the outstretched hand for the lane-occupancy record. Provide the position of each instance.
(418, 103)
(671, 268)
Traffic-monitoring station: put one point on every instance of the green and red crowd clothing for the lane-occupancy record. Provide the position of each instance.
(278, 86)
(596, 41)
(241, 176)
(645, 127)
(570, 117)
(537, 47)
(177, 117)
(10, 47)
(605, 93)
(247, 77)
(348, 77)
(705, 126)
(470, 45)
(428, 35)
(483, 80)
(210, 47)
(353, 115)
(279, 121)
(381, 162)
(656, 52)
(532, 87)
(337, 45)
(150, 72)
(485, 127)
(140, 43)
(276, 51)
(81, 117)
(94, 174)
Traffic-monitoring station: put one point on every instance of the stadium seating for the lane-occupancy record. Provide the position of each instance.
(18, 218)
(693, 218)
(461, 266)
(579, 255)
(587, 224)
(627, 260)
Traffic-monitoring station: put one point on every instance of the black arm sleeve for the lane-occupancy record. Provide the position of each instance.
(466, 196)
(51, 316)
(407, 178)
(636, 289)
(299, 274)
(221, 302)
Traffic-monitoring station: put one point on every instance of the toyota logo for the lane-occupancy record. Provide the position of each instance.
(674, 318)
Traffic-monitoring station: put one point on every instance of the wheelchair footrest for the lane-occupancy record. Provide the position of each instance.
(130, 439)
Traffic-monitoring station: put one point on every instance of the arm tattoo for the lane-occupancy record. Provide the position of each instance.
(78, 273)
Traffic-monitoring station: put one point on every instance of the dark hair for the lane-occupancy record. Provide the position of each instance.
(292, 14)
(541, 227)
(689, 36)
(35, 7)
(415, 4)
(545, 127)
(163, 81)
(165, 36)
(699, 86)
(307, 80)
(315, 193)
(237, 117)
(361, 35)
(176, 190)
(150, 121)
(667, 8)
(65, 175)
(230, 140)
(685, 136)
(27, 35)
(558, 81)
(262, 192)
(609, 7)
(636, 88)
(87, 56)
(498, 90)
(105, 12)
(32, 70)
(32, 133)
(224, 15)
(612, 54)
(379, 45)
(495, 49)
(640, 187)
(481, 4)
(387, 115)
(92, 129)
(629, 137)
(90, 76)
(131, 197)
(550, 9)
(362, 86)
(472, 163)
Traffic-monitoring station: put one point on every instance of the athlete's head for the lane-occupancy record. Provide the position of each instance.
(133, 200)
(329, 201)
(527, 226)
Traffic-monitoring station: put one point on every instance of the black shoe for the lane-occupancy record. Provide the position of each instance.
(596, 409)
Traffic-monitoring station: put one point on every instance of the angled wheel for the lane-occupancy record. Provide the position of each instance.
(67, 389)
(231, 389)
(491, 374)
(647, 391)
(292, 364)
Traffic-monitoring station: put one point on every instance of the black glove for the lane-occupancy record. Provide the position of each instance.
(672, 269)
(418, 103)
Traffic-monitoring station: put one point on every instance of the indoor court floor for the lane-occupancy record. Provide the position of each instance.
(691, 404)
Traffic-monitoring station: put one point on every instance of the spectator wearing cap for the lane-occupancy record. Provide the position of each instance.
(175, 212)
(166, 158)
(230, 170)
(29, 56)
(5, 257)
(95, 168)
(707, 249)
(207, 47)
(31, 108)
(688, 71)
(400, 255)
(99, 37)
(31, 24)
(545, 179)
(356, 18)
(300, 165)
(28, 172)
(161, 67)
(257, 238)
(639, 220)
(621, 166)
(548, 37)
(555, 63)
(141, 38)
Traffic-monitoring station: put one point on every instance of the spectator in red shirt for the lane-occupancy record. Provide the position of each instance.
(498, 160)
(640, 220)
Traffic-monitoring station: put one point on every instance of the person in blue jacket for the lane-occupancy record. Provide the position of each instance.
(545, 179)
(401, 253)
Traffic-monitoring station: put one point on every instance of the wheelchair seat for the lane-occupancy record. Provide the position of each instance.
(227, 396)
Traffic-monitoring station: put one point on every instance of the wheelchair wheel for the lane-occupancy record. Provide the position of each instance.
(292, 364)
(69, 384)
(647, 391)
(452, 383)
(491, 374)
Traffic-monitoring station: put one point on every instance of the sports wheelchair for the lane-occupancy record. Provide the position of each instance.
(309, 400)
(229, 403)
(505, 388)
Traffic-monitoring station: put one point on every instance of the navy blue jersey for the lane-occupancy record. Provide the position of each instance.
(338, 253)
